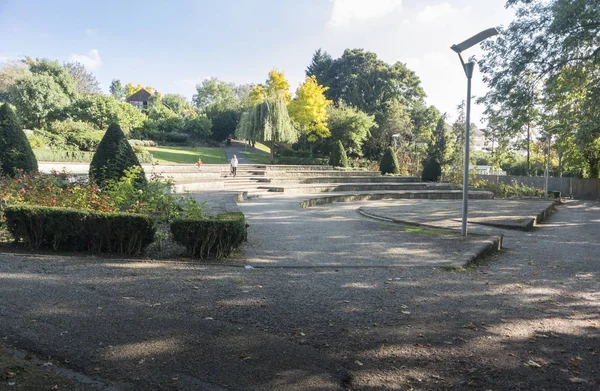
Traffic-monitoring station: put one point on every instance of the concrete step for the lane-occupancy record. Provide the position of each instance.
(395, 195)
(325, 188)
(346, 179)
(322, 173)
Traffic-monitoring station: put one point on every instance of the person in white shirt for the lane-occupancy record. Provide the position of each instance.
(234, 164)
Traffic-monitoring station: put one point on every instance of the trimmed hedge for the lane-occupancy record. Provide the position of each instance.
(389, 162)
(338, 156)
(217, 236)
(305, 161)
(432, 170)
(65, 229)
(15, 151)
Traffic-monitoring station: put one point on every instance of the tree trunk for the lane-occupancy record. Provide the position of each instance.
(593, 167)
(528, 148)
(272, 151)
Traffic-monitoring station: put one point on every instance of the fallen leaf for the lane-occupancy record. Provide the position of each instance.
(358, 363)
(470, 326)
(577, 380)
(533, 364)
(405, 312)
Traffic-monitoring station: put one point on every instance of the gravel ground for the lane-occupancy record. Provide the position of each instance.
(524, 319)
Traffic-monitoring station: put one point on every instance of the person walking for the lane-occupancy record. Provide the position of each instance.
(234, 164)
(199, 163)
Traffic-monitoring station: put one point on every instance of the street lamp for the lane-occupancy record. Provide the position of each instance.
(468, 68)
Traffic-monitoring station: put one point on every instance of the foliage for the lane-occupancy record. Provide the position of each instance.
(440, 149)
(217, 236)
(37, 97)
(113, 156)
(544, 69)
(389, 162)
(277, 86)
(85, 82)
(177, 103)
(62, 155)
(10, 72)
(67, 229)
(116, 89)
(54, 70)
(131, 89)
(394, 119)
(129, 117)
(309, 110)
(223, 122)
(502, 190)
(214, 94)
(350, 126)
(432, 170)
(99, 110)
(338, 156)
(15, 151)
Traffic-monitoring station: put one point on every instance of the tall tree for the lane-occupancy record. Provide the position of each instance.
(37, 97)
(116, 89)
(10, 72)
(278, 86)
(350, 126)
(320, 67)
(177, 103)
(214, 94)
(85, 81)
(56, 71)
(546, 38)
(309, 110)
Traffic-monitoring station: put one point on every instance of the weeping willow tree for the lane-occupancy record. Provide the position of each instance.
(268, 121)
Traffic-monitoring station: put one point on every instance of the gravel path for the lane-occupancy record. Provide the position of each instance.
(525, 319)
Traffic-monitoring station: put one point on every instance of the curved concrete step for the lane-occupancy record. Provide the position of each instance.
(327, 188)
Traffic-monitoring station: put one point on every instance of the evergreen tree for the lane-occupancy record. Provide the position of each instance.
(432, 170)
(15, 151)
(113, 156)
(389, 162)
(338, 156)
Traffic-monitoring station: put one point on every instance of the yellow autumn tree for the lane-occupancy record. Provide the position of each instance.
(257, 95)
(309, 110)
(131, 89)
(277, 85)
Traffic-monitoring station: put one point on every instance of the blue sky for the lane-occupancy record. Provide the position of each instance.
(173, 45)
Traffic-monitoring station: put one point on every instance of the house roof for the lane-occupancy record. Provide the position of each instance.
(139, 96)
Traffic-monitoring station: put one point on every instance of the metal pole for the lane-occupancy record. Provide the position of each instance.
(469, 67)
(548, 168)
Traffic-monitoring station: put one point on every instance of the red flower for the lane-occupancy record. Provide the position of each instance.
(22, 191)
(48, 188)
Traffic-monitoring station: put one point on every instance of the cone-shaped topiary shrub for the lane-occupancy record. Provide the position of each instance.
(389, 162)
(15, 151)
(113, 156)
(338, 156)
(432, 170)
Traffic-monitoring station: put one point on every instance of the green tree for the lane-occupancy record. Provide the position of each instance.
(320, 67)
(113, 156)
(278, 86)
(116, 89)
(389, 162)
(99, 110)
(432, 170)
(10, 72)
(129, 117)
(36, 97)
(546, 39)
(57, 72)
(440, 149)
(394, 119)
(214, 94)
(338, 156)
(15, 151)
(309, 110)
(85, 81)
(177, 103)
(350, 126)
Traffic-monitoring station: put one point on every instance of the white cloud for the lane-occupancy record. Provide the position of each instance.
(91, 32)
(431, 13)
(346, 11)
(91, 60)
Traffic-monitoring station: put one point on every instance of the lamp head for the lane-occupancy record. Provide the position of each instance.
(474, 40)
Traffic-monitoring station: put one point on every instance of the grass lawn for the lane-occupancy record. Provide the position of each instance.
(258, 158)
(188, 155)
(262, 147)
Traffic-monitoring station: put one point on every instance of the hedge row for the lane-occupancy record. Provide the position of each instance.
(49, 155)
(310, 161)
(67, 229)
(216, 237)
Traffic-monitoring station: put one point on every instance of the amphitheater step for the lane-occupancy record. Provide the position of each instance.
(324, 188)
(344, 179)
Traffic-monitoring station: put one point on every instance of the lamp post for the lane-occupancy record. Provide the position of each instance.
(468, 68)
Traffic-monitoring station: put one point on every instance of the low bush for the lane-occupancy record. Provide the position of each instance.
(306, 161)
(217, 236)
(68, 156)
(85, 141)
(291, 152)
(143, 143)
(502, 190)
(64, 229)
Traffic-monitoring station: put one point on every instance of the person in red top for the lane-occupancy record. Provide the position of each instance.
(199, 164)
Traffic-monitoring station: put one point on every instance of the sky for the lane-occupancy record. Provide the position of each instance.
(174, 45)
